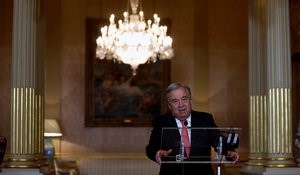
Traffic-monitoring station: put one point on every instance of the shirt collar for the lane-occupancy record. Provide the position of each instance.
(188, 120)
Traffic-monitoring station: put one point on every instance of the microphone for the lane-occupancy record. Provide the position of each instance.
(185, 123)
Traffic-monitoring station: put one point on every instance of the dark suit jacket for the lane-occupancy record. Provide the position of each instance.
(201, 143)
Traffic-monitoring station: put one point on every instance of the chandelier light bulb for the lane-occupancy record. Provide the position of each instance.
(134, 41)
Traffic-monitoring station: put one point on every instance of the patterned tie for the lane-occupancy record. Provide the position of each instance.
(185, 136)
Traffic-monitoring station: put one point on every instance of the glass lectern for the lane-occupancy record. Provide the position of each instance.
(202, 141)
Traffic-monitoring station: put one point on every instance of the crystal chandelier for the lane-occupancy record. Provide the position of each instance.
(134, 41)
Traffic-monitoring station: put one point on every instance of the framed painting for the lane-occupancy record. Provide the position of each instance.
(114, 96)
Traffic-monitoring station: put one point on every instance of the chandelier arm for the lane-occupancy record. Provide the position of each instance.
(140, 5)
(135, 6)
(128, 6)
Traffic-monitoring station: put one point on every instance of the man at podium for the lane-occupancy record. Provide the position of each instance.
(182, 150)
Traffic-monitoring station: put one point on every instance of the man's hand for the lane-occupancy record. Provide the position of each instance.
(231, 155)
(161, 153)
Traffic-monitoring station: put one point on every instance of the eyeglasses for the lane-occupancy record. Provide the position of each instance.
(183, 100)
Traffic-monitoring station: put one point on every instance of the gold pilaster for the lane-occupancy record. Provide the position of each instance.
(258, 131)
(279, 84)
(280, 152)
(270, 84)
(27, 107)
(257, 82)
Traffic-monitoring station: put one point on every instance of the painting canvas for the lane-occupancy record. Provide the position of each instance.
(116, 97)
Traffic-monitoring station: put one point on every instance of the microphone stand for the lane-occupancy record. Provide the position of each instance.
(221, 147)
(220, 152)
